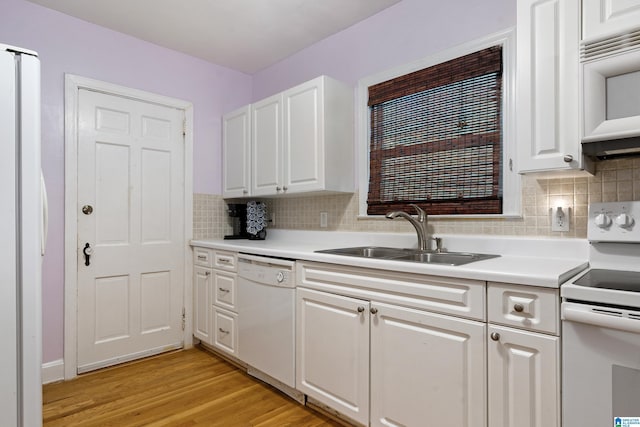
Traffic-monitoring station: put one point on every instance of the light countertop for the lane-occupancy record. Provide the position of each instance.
(526, 261)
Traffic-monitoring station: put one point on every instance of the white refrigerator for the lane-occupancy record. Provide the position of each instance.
(22, 230)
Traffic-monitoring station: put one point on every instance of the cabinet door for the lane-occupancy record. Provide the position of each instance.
(426, 369)
(602, 18)
(201, 304)
(303, 139)
(548, 87)
(266, 145)
(332, 357)
(524, 379)
(236, 154)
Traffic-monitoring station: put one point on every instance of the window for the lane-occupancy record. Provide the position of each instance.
(435, 136)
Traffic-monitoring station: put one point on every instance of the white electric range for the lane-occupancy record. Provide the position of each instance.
(601, 324)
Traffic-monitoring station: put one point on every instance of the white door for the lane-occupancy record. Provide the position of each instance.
(266, 146)
(524, 378)
(426, 369)
(303, 139)
(236, 153)
(332, 358)
(130, 172)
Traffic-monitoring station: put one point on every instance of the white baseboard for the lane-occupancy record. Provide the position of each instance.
(53, 371)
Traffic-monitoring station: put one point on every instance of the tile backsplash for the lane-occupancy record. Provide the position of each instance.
(615, 180)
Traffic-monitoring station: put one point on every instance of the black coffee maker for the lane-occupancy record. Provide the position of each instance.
(238, 214)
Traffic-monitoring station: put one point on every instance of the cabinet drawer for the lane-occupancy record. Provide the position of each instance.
(203, 257)
(527, 307)
(225, 331)
(225, 261)
(224, 290)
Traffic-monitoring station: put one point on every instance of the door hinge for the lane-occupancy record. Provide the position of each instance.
(184, 318)
(184, 127)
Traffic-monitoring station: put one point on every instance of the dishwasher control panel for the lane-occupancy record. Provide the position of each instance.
(267, 271)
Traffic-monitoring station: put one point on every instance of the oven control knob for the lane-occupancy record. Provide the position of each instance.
(602, 220)
(624, 220)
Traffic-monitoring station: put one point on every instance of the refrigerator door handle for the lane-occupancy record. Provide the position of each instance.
(45, 215)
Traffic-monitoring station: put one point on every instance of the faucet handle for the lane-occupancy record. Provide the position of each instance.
(421, 213)
(438, 241)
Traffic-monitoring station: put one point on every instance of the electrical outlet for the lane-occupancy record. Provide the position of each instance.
(560, 218)
(272, 220)
(323, 220)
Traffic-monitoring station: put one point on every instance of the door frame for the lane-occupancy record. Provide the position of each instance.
(73, 84)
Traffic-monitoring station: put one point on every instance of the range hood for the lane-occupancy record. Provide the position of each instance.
(611, 149)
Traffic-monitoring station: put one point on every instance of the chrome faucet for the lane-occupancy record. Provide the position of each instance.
(420, 224)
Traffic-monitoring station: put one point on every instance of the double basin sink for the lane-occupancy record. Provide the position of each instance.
(412, 255)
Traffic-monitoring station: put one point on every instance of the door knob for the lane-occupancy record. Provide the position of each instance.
(87, 251)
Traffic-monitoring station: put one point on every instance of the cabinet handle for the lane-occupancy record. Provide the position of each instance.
(207, 273)
(245, 191)
(495, 336)
(202, 257)
(361, 309)
(518, 307)
(373, 310)
(223, 290)
(224, 260)
(223, 331)
(278, 188)
(568, 158)
(285, 188)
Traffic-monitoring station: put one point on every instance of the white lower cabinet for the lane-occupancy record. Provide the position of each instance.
(201, 312)
(332, 351)
(386, 365)
(524, 356)
(427, 369)
(524, 378)
(214, 306)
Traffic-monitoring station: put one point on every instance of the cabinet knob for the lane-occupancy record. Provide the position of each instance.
(518, 307)
(373, 310)
(495, 336)
(285, 188)
(207, 273)
(278, 188)
(568, 158)
(361, 309)
(245, 191)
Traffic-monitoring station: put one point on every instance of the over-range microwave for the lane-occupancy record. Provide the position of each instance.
(610, 78)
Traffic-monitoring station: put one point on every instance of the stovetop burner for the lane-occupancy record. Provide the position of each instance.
(611, 279)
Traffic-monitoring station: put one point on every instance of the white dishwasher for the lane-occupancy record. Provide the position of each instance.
(266, 316)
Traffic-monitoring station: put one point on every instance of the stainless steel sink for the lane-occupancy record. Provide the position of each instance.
(412, 255)
(369, 252)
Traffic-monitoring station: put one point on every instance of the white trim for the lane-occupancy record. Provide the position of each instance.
(73, 84)
(512, 193)
(53, 371)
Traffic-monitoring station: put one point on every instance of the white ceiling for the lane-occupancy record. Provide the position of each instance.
(246, 35)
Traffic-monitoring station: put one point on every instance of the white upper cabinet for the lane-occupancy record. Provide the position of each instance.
(318, 137)
(236, 143)
(603, 18)
(266, 146)
(298, 141)
(548, 131)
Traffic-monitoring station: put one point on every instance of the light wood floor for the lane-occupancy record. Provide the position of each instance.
(183, 388)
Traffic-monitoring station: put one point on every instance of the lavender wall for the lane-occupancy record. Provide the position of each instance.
(407, 31)
(68, 45)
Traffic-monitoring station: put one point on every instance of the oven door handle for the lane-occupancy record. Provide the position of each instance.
(605, 317)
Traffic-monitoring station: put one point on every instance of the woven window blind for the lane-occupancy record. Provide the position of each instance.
(436, 138)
